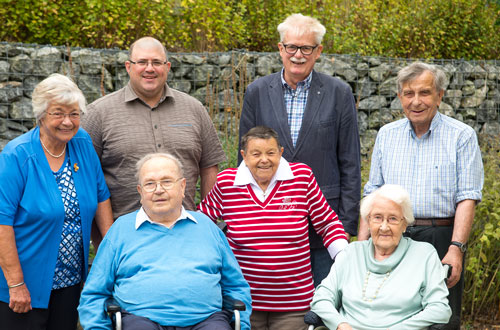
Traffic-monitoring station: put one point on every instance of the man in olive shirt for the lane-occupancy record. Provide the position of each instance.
(148, 116)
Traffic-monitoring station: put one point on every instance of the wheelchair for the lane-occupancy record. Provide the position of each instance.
(314, 321)
(114, 311)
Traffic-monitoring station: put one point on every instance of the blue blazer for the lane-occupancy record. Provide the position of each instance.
(328, 140)
(30, 202)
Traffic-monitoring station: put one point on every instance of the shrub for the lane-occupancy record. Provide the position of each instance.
(416, 28)
(482, 275)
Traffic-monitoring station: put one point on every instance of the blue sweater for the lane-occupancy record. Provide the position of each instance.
(30, 202)
(173, 277)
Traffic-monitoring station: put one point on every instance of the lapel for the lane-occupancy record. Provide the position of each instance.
(278, 108)
(314, 99)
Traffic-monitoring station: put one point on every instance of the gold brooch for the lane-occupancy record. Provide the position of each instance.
(75, 166)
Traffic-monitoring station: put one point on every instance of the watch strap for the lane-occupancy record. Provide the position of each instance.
(461, 246)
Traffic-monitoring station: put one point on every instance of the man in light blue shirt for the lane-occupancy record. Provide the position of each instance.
(165, 266)
(438, 160)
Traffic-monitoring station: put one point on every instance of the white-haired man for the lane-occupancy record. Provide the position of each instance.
(316, 120)
(438, 160)
(165, 266)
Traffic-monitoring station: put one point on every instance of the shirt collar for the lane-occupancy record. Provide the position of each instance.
(434, 125)
(130, 94)
(306, 82)
(142, 217)
(244, 176)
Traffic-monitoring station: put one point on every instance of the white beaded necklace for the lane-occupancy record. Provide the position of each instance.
(365, 285)
(48, 151)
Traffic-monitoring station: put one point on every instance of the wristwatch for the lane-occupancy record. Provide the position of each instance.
(461, 246)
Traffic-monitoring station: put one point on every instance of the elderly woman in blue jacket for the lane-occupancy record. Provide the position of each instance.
(389, 281)
(51, 188)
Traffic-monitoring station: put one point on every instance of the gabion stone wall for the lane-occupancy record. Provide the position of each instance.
(218, 80)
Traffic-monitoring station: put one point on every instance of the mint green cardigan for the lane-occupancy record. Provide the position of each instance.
(413, 295)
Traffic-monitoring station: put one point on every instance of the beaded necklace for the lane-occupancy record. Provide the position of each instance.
(365, 285)
(48, 151)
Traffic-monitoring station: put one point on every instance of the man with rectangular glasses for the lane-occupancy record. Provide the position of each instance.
(148, 116)
(315, 117)
(166, 267)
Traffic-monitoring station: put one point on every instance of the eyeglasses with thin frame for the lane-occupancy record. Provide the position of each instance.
(166, 184)
(144, 63)
(61, 115)
(305, 50)
(379, 218)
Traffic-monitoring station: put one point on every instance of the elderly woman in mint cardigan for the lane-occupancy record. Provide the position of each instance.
(389, 281)
(51, 188)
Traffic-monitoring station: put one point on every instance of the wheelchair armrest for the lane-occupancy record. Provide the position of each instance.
(112, 306)
(448, 268)
(312, 318)
(438, 326)
(233, 304)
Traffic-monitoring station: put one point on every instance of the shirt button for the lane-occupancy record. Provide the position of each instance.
(156, 126)
(159, 145)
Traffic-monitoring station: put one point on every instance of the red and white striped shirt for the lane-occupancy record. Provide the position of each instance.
(270, 238)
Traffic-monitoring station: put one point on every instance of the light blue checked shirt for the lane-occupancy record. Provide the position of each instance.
(295, 104)
(439, 170)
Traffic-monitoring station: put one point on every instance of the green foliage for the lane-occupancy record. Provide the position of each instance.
(467, 29)
(482, 276)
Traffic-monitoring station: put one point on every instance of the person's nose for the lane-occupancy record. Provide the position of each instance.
(384, 226)
(159, 189)
(67, 121)
(298, 53)
(149, 67)
(417, 100)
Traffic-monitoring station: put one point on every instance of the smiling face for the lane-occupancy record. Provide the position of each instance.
(161, 205)
(56, 132)
(385, 236)
(420, 101)
(148, 81)
(298, 66)
(262, 157)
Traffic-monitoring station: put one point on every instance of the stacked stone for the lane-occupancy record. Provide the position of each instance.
(218, 80)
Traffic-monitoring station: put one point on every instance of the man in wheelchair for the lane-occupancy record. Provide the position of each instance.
(165, 266)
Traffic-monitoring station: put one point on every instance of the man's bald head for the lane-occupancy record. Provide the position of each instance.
(147, 42)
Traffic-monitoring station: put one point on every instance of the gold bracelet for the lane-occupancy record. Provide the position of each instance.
(15, 285)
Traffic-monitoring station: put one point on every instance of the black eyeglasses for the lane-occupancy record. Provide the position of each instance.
(144, 63)
(305, 50)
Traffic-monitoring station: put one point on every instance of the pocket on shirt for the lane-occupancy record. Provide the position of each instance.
(444, 177)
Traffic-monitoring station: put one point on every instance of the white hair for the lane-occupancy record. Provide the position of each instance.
(143, 160)
(416, 69)
(392, 192)
(300, 25)
(57, 89)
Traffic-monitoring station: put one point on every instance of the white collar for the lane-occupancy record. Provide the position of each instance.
(244, 176)
(142, 217)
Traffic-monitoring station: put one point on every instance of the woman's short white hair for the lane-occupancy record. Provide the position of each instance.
(57, 89)
(392, 192)
(143, 160)
(299, 25)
